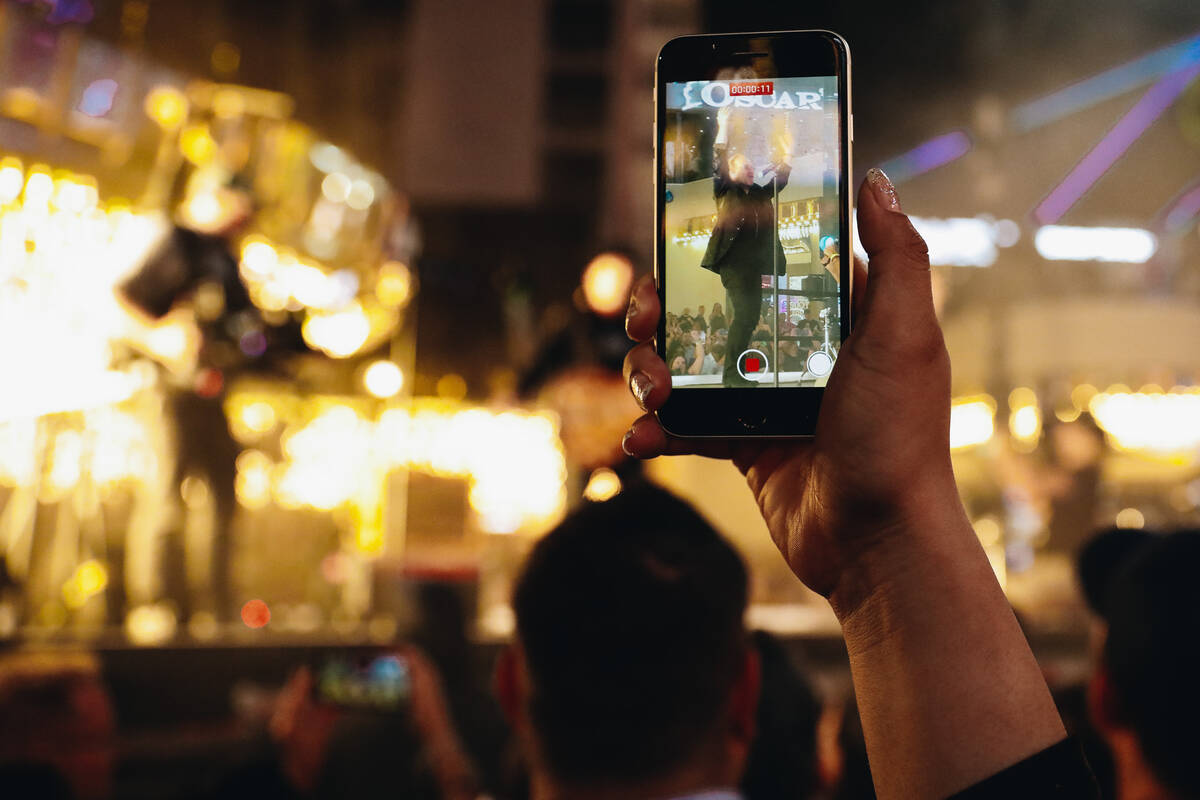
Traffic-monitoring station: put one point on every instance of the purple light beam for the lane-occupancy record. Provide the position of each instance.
(1150, 107)
(1183, 210)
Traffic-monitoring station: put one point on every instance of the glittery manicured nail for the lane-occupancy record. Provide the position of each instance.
(641, 386)
(625, 442)
(884, 189)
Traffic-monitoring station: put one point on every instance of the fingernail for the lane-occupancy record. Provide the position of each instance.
(625, 442)
(641, 386)
(883, 187)
(634, 308)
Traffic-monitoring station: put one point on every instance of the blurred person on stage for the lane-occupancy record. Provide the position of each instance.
(57, 727)
(867, 513)
(744, 244)
(1144, 695)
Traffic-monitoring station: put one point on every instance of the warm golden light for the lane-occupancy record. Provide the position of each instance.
(253, 481)
(988, 531)
(606, 283)
(259, 258)
(197, 144)
(88, 580)
(148, 625)
(603, 484)
(383, 379)
(972, 421)
(167, 106)
(12, 180)
(1130, 519)
(452, 387)
(1025, 423)
(335, 187)
(339, 334)
(1164, 424)
(258, 417)
(394, 286)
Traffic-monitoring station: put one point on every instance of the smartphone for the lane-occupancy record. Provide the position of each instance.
(752, 153)
(364, 681)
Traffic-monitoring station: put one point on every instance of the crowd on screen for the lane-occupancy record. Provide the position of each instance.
(697, 343)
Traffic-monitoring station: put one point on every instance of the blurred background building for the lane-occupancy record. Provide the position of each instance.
(296, 318)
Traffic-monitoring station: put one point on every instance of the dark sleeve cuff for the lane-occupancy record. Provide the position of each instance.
(1059, 771)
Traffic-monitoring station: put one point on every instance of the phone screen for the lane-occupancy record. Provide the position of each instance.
(380, 682)
(751, 212)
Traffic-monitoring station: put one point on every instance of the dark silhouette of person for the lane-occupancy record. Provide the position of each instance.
(646, 691)
(744, 244)
(1144, 696)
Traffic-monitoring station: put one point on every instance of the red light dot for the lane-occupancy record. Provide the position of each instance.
(255, 614)
(209, 382)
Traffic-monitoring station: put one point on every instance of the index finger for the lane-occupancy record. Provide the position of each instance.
(641, 321)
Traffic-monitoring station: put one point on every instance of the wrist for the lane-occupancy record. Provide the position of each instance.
(929, 531)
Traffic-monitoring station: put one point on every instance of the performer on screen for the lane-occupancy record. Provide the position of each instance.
(744, 244)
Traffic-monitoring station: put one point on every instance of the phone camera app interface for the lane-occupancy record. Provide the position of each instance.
(750, 169)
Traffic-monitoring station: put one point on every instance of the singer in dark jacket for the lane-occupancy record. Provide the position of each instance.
(744, 244)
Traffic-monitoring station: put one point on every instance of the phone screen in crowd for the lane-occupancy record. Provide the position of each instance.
(379, 682)
(752, 228)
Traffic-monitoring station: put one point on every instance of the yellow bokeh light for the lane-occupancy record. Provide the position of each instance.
(197, 144)
(39, 187)
(339, 334)
(369, 539)
(12, 180)
(394, 286)
(603, 484)
(1025, 422)
(606, 283)
(148, 625)
(383, 379)
(1164, 424)
(452, 387)
(258, 417)
(336, 187)
(259, 258)
(88, 580)
(1082, 394)
(167, 106)
(1130, 519)
(1022, 396)
(361, 195)
(253, 482)
(972, 421)
(203, 209)
(988, 531)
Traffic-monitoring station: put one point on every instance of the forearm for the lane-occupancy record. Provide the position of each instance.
(947, 687)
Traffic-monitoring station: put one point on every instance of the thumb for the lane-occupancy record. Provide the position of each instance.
(899, 298)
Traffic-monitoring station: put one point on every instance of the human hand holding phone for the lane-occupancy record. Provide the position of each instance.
(867, 513)
(881, 450)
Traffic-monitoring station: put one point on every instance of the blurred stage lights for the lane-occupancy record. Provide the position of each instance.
(973, 242)
(383, 379)
(339, 334)
(516, 476)
(606, 283)
(962, 241)
(1165, 424)
(1069, 243)
(603, 484)
(167, 106)
(972, 421)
